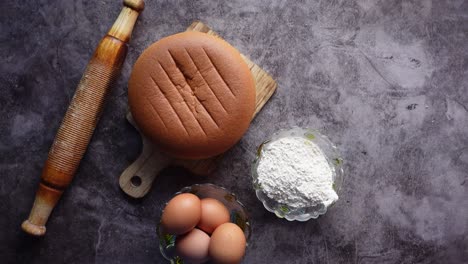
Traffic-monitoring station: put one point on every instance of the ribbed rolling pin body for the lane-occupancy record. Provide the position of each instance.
(81, 118)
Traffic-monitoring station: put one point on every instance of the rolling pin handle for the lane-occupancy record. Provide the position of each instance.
(137, 5)
(32, 229)
(44, 203)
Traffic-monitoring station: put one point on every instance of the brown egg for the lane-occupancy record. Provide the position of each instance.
(213, 214)
(181, 214)
(193, 246)
(227, 244)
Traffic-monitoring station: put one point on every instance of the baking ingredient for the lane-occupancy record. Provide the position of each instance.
(294, 171)
(193, 246)
(227, 244)
(213, 214)
(181, 214)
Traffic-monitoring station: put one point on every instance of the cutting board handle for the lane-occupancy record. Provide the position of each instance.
(136, 180)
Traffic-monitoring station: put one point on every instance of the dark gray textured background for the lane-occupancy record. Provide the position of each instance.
(386, 80)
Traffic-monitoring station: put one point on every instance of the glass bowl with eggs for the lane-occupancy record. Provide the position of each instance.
(203, 223)
(297, 174)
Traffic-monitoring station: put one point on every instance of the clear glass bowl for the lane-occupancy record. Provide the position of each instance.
(238, 213)
(333, 158)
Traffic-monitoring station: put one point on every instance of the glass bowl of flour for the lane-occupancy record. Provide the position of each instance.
(297, 174)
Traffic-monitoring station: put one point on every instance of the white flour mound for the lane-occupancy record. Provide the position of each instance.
(294, 171)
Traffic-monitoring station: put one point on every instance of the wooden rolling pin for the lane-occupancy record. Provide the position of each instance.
(82, 116)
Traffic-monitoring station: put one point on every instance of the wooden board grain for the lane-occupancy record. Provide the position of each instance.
(138, 178)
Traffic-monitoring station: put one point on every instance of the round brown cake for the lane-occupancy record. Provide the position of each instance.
(192, 95)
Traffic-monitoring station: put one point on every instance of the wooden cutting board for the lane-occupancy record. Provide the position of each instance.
(137, 179)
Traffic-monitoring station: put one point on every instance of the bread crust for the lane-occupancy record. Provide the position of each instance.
(192, 95)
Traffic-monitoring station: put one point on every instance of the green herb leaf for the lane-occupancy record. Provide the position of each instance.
(257, 186)
(309, 136)
(178, 260)
(169, 240)
(338, 161)
(284, 209)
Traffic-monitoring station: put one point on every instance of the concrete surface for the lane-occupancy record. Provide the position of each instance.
(386, 80)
